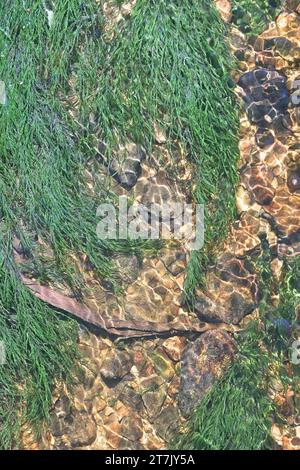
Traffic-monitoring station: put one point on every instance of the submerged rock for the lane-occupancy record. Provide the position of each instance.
(167, 422)
(203, 363)
(115, 366)
(231, 291)
(132, 428)
(266, 99)
(75, 429)
(126, 171)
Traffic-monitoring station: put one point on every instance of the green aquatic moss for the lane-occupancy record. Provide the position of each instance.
(38, 348)
(253, 16)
